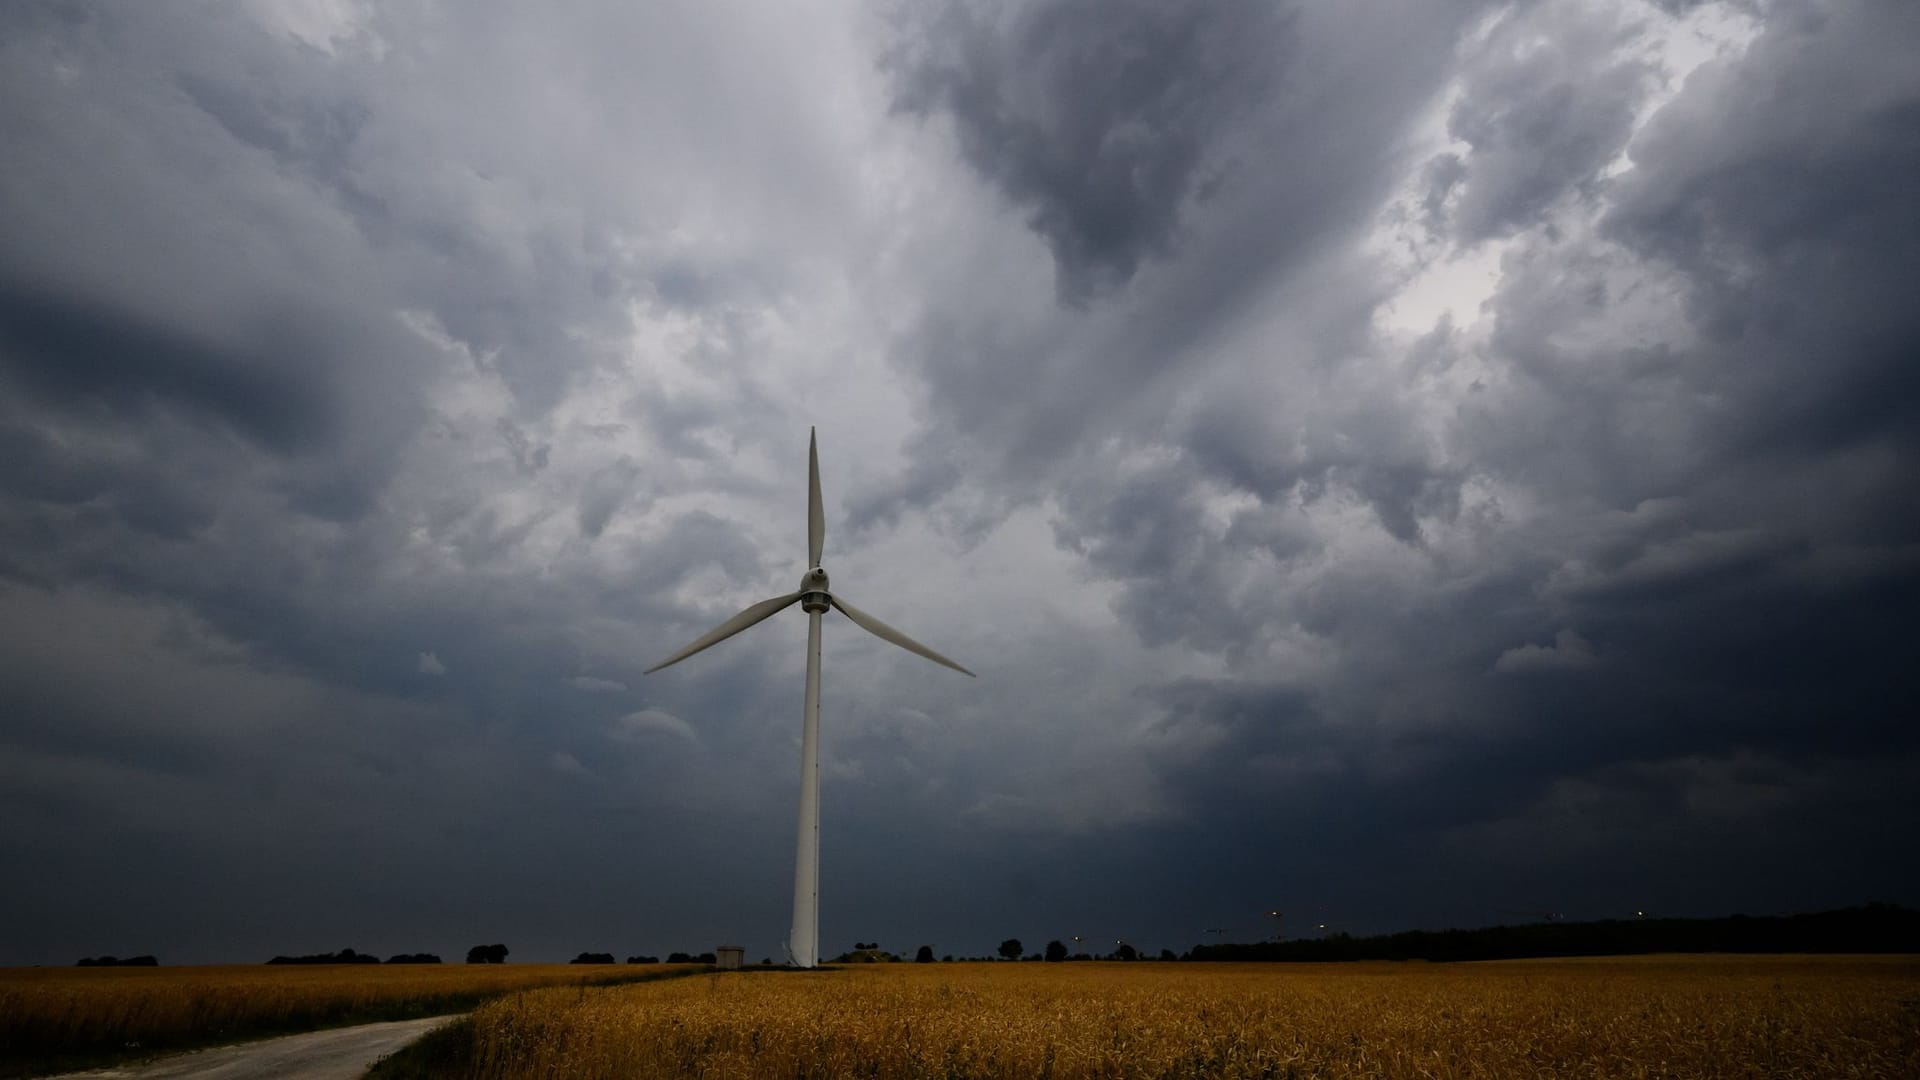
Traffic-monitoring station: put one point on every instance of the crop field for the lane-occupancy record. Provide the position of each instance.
(1637, 1017)
(70, 1017)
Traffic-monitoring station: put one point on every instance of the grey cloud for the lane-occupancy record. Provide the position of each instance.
(312, 135)
(1203, 326)
(1439, 179)
(1659, 459)
(527, 457)
(69, 348)
(650, 722)
(606, 490)
(1351, 440)
(922, 485)
(1146, 531)
(169, 279)
(1545, 101)
(1773, 185)
(193, 753)
(1101, 120)
(1682, 7)
(1569, 650)
(1711, 830)
(219, 408)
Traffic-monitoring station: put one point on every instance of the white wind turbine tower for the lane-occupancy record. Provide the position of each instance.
(804, 941)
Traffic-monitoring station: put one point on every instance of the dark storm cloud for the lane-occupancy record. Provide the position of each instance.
(1145, 532)
(235, 306)
(606, 490)
(1775, 186)
(379, 398)
(1659, 544)
(1100, 120)
(165, 279)
(1304, 142)
(70, 350)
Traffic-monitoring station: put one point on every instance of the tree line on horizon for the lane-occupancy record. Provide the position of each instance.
(1874, 928)
(870, 952)
(348, 956)
(479, 954)
(1871, 928)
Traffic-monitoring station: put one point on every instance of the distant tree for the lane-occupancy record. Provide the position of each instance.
(947, 959)
(924, 956)
(592, 958)
(706, 958)
(643, 959)
(114, 961)
(487, 954)
(1126, 952)
(1056, 951)
(413, 958)
(1167, 954)
(679, 958)
(1010, 949)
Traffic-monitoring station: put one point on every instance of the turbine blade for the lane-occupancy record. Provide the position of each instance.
(816, 515)
(887, 633)
(729, 628)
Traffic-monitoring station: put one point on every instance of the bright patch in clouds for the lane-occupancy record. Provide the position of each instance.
(650, 723)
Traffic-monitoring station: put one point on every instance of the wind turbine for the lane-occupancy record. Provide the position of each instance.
(814, 599)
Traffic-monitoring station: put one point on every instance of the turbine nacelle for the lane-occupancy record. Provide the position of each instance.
(814, 597)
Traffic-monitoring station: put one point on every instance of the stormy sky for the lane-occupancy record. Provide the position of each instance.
(1406, 465)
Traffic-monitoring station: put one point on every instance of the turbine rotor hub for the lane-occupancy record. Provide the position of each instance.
(814, 598)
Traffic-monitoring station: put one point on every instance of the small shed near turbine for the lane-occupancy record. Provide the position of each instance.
(730, 956)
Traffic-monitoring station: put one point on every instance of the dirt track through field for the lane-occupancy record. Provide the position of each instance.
(338, 1054)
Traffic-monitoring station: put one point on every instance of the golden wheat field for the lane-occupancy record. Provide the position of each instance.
(1637, 1017)
(78, 1014)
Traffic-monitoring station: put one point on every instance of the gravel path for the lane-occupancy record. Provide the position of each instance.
(338, 1054)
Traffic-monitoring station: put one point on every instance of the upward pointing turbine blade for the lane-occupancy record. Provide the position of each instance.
(816, 514)
(887, 633)
(727, 629)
